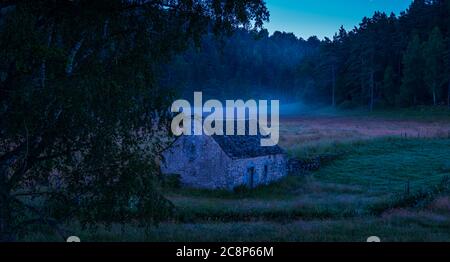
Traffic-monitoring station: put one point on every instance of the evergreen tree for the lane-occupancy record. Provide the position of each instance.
(387, 49)
(412, 73)
(389, 86)
(353, 68)
(434, 74)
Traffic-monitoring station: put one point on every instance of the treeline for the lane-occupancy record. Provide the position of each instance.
(245, 64)
(387, 61)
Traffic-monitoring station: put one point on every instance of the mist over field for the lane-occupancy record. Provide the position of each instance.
(86, 146)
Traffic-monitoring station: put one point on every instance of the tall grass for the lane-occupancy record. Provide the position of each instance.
(363, 192)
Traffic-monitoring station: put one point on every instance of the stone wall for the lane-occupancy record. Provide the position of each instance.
(302, 166)
(239, 170)
(199, 161)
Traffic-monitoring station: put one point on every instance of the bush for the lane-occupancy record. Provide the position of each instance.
(172, 181)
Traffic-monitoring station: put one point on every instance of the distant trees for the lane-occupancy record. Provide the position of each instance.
(447, 56)
(389, 60)
(447, 70)
(330, 62)
(245, 64)
(386, 61)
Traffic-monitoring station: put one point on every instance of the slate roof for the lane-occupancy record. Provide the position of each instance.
(245, 146)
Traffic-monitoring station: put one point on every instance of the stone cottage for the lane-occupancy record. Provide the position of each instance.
(223, 162)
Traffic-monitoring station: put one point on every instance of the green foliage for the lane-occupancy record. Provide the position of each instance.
(241, 65)
(312, 208)
(172, 182)
(412, 81)
(389, 86)
(434, 75)
(387, 60)
(418, 113)
(82, 115)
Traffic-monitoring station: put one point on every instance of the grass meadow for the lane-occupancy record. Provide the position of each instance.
(389, 177)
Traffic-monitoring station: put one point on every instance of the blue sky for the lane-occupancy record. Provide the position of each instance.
(324, 17)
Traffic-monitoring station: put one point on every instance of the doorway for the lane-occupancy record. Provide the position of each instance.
(251, 177)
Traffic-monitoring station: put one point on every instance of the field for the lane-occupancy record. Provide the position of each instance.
(389, 178)
(328, 128)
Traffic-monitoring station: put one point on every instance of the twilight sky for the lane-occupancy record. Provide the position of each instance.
(324, 17)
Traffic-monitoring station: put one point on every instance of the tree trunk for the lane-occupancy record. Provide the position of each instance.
(448, 94)
(6, 184)
(434, 95)
(73, 53)
(5, 210)
(362, 79)
(333, 96)
(5, 221)
(372, 89)
(44, 61)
